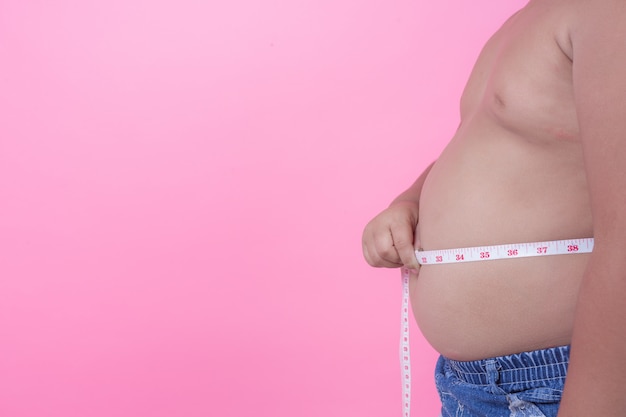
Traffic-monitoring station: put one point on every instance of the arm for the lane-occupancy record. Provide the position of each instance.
(412, 194)
(388, 239)
(597, 373)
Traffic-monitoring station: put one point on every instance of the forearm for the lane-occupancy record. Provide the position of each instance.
(412, 194)
(597, 369)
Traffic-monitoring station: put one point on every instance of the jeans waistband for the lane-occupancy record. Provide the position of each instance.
(522, 367)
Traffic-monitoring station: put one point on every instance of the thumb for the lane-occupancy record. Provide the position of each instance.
(403, 243)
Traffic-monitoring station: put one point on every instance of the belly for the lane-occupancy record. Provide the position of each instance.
(492, 187)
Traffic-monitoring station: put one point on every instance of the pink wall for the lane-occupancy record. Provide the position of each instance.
(183, 186)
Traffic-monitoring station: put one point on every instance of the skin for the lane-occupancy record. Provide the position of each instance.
(540, 154)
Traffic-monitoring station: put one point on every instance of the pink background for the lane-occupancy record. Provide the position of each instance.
(183, 186)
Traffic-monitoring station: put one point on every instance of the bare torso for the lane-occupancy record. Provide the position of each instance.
(513, 172)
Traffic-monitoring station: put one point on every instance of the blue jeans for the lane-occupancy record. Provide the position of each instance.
(527, 384)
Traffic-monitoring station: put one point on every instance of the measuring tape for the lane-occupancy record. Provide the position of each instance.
(517, 250)
(471, 254)
(405, 348)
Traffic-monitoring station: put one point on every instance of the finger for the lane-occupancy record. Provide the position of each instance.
(384, 251)
(375, 260)
(403, 243)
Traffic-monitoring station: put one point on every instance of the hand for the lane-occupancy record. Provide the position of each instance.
(388, 240)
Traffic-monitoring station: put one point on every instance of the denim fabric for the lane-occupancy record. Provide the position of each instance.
(527, 384)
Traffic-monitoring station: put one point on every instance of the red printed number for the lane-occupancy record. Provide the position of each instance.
(512, 252)
(572, 248)
(424, 260)
(460, 257)
(542, 249)
(484, 255)
(438, 258)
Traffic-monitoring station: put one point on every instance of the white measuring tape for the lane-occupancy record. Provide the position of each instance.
(517, 250)
(471, 254)
(405, 348)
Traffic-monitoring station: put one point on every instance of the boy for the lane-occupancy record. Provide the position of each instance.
(540, 155)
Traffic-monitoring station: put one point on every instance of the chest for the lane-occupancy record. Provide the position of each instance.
(523, 77)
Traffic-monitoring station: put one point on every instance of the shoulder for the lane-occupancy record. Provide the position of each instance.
(580, 22)
(596, 23)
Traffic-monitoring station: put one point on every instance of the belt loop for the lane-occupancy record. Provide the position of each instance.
(493, 375)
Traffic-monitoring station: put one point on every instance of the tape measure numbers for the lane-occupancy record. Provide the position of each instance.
(517, 250)
(405, 348)
(471, 254)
